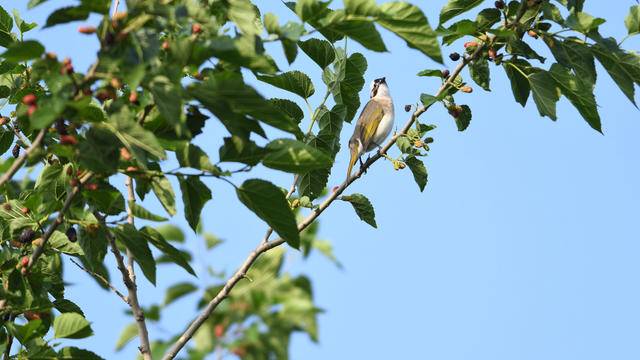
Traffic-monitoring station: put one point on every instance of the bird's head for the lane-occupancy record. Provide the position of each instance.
(379, 87)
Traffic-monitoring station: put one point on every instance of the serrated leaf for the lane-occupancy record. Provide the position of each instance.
(632, 21)
(409, 22)
(456, 7)
(312, 183)
(66, 15)
(168, 98)
(67, 306)
(296, 82)
(71, 326)
(133, 240)
(61, 242)
(363, 208)
(129, 333)
(579, 93)
(418, 170)
(190, 155)
(195, 195)
(294, 156)
(142, 213)
(290, 108)
(157, 239)
(237, 149)
(6, 22)
(574, 56)
(176, 291)
(519, 83)
(269, 204)
(464, 118)
(23, 51)
(583, 22)
(516, 46)
(320, 51)
(616, 69)
(479, 71)
(349, 75)
(244, 14)
(74, 353)
(545, 93)
(362, 31)
(428, 100)
(137, 139)
(164, 192)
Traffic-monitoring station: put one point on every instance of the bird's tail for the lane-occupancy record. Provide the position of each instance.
(352, 161)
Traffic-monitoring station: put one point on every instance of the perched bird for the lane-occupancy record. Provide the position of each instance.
(374, 124)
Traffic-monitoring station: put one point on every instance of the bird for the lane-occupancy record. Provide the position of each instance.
(374, 123)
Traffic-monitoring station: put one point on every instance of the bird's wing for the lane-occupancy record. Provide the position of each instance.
(368, 122)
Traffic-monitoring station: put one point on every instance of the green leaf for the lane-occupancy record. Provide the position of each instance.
(268, 202)
(574, 55)
(66, 15)
(23, 51)
(243, 51)
(479, 71)
(245, 15)
(456, 7)
(296, 82)
(164, 192)
(579, 93)
(431, 72)
(320, 51)
(61, 242)
(290, 108)
(428, 100)
(545, 93)
(157, 239)
(22, 25)
(349, 75)
(100, 152)
(409, 22)
(632, 21)
(6, 23)
(71, 326)
(168, 98)
(313, 182)
(190, 155)
(135, 137)
(620, 73)
(519, 83)
(237, 149)
(464, 118)
(487, 18)
(106, 199)
(195, 195)
(516, 46)
(142, 213)
(129, 333)
(362, 31)
(176, 291)
(583, 22)
(74, 353)
(418, 170)
(134, 240)
(363, 208)
(361, 7)
(294, 156)
(6, 139)
(67, 306)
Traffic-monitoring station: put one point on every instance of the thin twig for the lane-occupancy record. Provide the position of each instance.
(67, 204)
(19, 161)
(268, 245)
(102, 279)
(129, 277)
(115, 8)
(7, 350)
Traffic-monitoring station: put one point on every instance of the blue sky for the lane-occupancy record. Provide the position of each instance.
(524, 244)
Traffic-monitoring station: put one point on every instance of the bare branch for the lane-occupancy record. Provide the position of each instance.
(266, 245)
(19, 161)
(102, 279)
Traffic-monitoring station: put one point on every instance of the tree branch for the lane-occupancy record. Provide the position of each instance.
(67, 204)
(129, 279)
(265, 246)
(20, 160)
(102, 279)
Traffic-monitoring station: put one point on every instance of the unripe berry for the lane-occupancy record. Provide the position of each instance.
(533, 34)
(466, 89)
(87, 30)
(74, 182)
(25, 210)
(218, 330)
(68, 140)
(91, 186)
(454, 56)
(24, 271)
(125, 154)
(133, 97)
(492, 54)
(39, 242)
(29, 99)
(132, 169)
(4, 120)
(165, 45)
(445, 73)
(32, 109)
(470, 44)
(196, 28)
(51, 56)
(24, 261)
(116, 83)
(418, 143)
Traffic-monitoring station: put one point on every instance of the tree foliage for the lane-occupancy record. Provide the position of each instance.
(165, 69)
